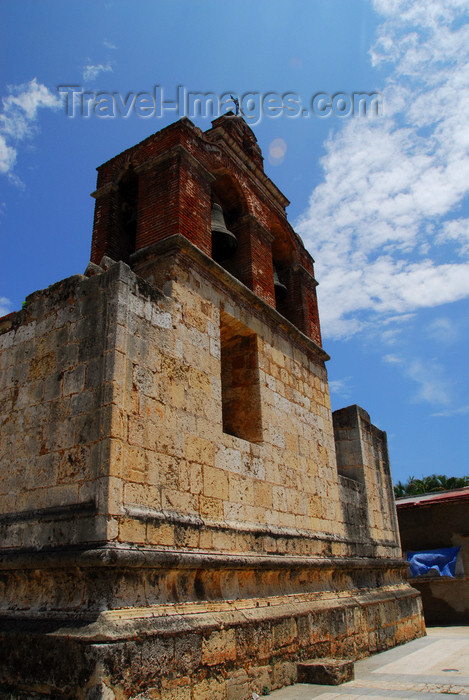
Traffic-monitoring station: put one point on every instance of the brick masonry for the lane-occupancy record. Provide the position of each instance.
(181, 515)
(178, 169)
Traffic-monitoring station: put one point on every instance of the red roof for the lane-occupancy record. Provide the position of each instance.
(427, 499)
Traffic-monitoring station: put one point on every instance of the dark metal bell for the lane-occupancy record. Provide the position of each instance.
(280, 289)
(224, 243)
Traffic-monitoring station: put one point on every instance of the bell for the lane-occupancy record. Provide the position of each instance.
(280, 289)
(224, 243)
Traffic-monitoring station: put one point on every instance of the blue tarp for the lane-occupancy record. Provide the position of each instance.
(433, 562)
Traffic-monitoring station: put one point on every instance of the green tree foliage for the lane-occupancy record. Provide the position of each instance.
(429, 484)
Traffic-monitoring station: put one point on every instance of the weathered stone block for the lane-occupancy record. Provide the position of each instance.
(325, 671)
(212, 688)
(237, 686)
(219, 647)
(132, 531)
(285, 633)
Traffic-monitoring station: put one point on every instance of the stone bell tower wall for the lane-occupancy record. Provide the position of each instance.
(181, 513)
(229, 556)
(131, 426)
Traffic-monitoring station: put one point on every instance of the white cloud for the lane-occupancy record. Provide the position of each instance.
(341, 387)
(382, 224)
(5, 306)
(443, 330)
(432, 385)
(7, 156)
(456, 230)
(91, 72)
(109, 45)
(462, 410)
(18, 119)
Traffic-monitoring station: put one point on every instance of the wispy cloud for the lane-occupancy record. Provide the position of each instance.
(7, 155)
(380, 221)
(18, 119)
(341, 387)
(456, 231)
(462, 410)
(443, 330)
(429, 375)
(5, 306)
(109, 45)
(91, 72)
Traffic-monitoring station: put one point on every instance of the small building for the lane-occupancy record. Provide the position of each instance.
(182, 515)
(434, 530)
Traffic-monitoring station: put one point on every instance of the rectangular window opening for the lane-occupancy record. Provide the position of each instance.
(240, 386)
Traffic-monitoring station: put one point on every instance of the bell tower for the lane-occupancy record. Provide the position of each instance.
(180, 513)
(211, 188)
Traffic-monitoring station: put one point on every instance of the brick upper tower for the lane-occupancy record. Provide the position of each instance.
(166, 185)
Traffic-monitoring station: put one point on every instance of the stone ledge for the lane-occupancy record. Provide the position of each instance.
(133, 556)
(80, 586)
(326, 671)
(218, 275)
(64, 512)
(204, 644)
(172, 618)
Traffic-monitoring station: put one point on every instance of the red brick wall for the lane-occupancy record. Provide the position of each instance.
(176, 168)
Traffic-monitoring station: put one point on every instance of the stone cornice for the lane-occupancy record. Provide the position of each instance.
(177, 149)
(218, 275)
(130, 556)
(306, 273)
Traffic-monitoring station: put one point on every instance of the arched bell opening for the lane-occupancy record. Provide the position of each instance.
(127, 210)
(228, 237)
(284, 283)
(224, 242)
(280, 289)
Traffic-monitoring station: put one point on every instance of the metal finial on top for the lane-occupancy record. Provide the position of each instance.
(236, 103)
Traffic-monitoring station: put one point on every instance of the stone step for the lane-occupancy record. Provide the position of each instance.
(325, 671)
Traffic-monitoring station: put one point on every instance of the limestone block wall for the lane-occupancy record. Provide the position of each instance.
(201, 465)
(173, 517)
(168, 413)
(354, 507)
(363, 465)
(58, 386)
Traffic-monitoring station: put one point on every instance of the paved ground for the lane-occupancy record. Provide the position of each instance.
(437, 664)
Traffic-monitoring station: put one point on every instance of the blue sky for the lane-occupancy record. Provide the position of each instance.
(382, 202)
